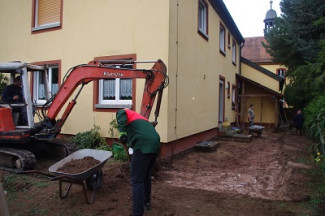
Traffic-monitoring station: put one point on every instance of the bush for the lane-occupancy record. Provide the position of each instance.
(314, 125)
(314, 115)
(119, 153)
(90, 139)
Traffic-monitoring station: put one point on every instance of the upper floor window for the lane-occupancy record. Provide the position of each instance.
(203, 18)
(234, 52)
(39, 94)
(281, 72)
(222, 39)
(46, 14)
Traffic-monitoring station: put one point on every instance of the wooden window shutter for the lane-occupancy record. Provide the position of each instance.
(48, 11)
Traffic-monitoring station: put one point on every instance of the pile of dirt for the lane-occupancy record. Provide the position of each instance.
(79, 165)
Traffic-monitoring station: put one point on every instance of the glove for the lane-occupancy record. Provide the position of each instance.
(124, 139)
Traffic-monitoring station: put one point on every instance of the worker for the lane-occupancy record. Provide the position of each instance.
(142, 137)
(251, 115)
(13, 94)
(298, 122)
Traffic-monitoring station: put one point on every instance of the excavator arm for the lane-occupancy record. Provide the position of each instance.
(156, 80)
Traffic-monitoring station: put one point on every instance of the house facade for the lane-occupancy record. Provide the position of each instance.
(197, 39)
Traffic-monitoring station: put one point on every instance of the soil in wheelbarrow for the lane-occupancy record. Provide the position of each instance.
(271, 175)
(79, 165)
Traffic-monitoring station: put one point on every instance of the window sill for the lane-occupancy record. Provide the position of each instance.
(222, 52)
(204, 35)
(47, 26)
(112, 106)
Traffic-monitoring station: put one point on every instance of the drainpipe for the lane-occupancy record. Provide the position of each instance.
(240, 102)
(241, 46)
(176, 83)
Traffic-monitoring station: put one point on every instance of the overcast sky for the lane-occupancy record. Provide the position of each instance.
(249, 14)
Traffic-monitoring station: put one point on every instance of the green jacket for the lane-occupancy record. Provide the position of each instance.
(140, 132)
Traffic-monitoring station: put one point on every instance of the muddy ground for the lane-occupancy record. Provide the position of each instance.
(267, 176)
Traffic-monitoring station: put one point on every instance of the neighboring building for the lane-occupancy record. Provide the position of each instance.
(266, 78)
(255, 52)
(197, 39)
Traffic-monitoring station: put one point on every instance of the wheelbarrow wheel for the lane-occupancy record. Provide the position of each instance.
(95, 181)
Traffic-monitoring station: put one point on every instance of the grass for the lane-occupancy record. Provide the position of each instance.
(38, 211)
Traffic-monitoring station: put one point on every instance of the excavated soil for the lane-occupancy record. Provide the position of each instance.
(79, 165)
(267, 176)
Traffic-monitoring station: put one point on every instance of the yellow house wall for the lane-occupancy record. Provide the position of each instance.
(91, 28)
(273, 68)
(259, 77)
(163, 30)
(195, 65)
(264, 107)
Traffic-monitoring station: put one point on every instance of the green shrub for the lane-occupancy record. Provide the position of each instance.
(90, 139)
(119, 153)
(314, 118)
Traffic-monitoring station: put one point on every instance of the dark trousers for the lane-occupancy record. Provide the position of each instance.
(141, 180)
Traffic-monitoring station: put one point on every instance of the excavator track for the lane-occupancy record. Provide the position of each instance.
(59, 148)
(16, 159)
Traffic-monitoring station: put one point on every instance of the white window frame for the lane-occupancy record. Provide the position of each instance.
(36, 82)
(222, 38)
(234, 52)
(117, 103)
(281, 72)
(45, 26)
(203, 18)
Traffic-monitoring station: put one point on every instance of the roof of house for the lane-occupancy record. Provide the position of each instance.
(254, 51)
(270, 15)
(261, 69)
(266, 72)
(226, 17)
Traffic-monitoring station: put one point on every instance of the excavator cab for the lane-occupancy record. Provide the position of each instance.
(22, 110)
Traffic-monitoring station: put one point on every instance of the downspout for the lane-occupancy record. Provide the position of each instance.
(176, 75)
(176, 83)
(239, 102)
(241, 46)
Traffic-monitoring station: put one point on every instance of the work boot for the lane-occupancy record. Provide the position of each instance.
(147, 207)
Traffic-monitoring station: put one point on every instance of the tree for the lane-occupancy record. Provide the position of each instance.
(298, 41)
(294, 39)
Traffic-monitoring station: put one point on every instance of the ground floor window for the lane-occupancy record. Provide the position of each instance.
(39, 94)
(115, 92)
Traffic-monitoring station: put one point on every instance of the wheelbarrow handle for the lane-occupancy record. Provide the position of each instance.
(57, 177)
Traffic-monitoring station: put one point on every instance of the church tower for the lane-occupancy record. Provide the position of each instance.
(269, 19)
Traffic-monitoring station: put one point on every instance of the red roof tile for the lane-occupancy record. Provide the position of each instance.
(254, 51)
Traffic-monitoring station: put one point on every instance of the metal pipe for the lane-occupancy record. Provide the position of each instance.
(126, 61)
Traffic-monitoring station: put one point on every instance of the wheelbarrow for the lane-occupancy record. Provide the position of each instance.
(256, 129)
(91, 178)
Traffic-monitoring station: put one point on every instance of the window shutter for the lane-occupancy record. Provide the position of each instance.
(48, 11)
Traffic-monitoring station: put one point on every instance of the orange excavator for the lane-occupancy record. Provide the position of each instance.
(19, 144)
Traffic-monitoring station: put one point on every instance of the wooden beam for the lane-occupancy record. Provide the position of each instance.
(255, 95)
